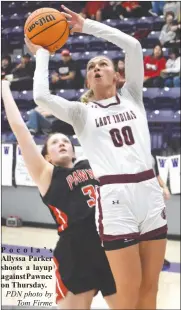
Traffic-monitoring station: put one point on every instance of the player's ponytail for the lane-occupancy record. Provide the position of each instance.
(87, 96)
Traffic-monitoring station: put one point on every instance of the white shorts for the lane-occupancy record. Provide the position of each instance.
(131, 211)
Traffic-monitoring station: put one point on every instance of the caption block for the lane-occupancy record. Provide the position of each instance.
(27, 280)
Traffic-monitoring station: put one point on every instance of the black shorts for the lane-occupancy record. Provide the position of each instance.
(82, 265)
(124, 243)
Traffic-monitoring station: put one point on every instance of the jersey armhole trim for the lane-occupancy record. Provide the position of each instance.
(55, 169)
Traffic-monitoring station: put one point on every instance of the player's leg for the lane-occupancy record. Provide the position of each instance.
(119, 230)
(152, 242)
(126, 268)
(152, 255)
(79, 301)
(65, 299)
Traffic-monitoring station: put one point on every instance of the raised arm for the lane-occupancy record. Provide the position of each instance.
(39, 169)
(133, 53)
(71, 112)
(134, 70)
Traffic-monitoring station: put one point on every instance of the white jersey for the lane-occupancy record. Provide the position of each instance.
(116, 138)
(113, 132)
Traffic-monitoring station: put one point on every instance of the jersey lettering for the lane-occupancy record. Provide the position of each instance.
(82, 175)
(79, 176)
(117, 138)
(90, 173)
(89, 190)
(115, 118)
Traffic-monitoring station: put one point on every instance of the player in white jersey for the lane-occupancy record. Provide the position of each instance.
(113, 132)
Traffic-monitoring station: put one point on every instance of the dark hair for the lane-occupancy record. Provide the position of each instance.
(26, 56)
(170, 13)
(160, 48)
(44, 150)
(175, 51)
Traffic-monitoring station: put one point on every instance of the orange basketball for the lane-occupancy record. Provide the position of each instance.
(47, 27)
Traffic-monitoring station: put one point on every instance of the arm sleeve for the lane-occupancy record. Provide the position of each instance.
(162, 34)
(134, 70)
(168, 36)
(71, 112)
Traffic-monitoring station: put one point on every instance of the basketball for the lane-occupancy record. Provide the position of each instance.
(47, 27)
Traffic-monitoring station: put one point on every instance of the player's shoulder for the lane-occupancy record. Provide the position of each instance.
(131, 98)
(58, 180)
(60, 173)
(82, 163)
(125, 95)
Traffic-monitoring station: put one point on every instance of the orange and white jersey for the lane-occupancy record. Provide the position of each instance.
(114, 132)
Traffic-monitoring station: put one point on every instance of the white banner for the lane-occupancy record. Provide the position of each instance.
(174, 172)
(22, 176)
(163, 167)
(7, 163)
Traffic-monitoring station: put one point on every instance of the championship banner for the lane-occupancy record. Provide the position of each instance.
(22, 176)
(163, 167)
(7, 163)
(174, 171)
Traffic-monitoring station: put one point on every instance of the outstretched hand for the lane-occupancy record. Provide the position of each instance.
(74, 20)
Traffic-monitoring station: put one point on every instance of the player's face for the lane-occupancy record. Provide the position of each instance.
(100, 73)
(59, 150)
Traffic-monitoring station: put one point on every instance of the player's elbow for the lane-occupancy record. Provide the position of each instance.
(135, 46)
(137, 50)
(138, 46)
(39, 97)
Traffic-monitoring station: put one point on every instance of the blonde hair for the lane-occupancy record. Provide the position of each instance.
(87, 96)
